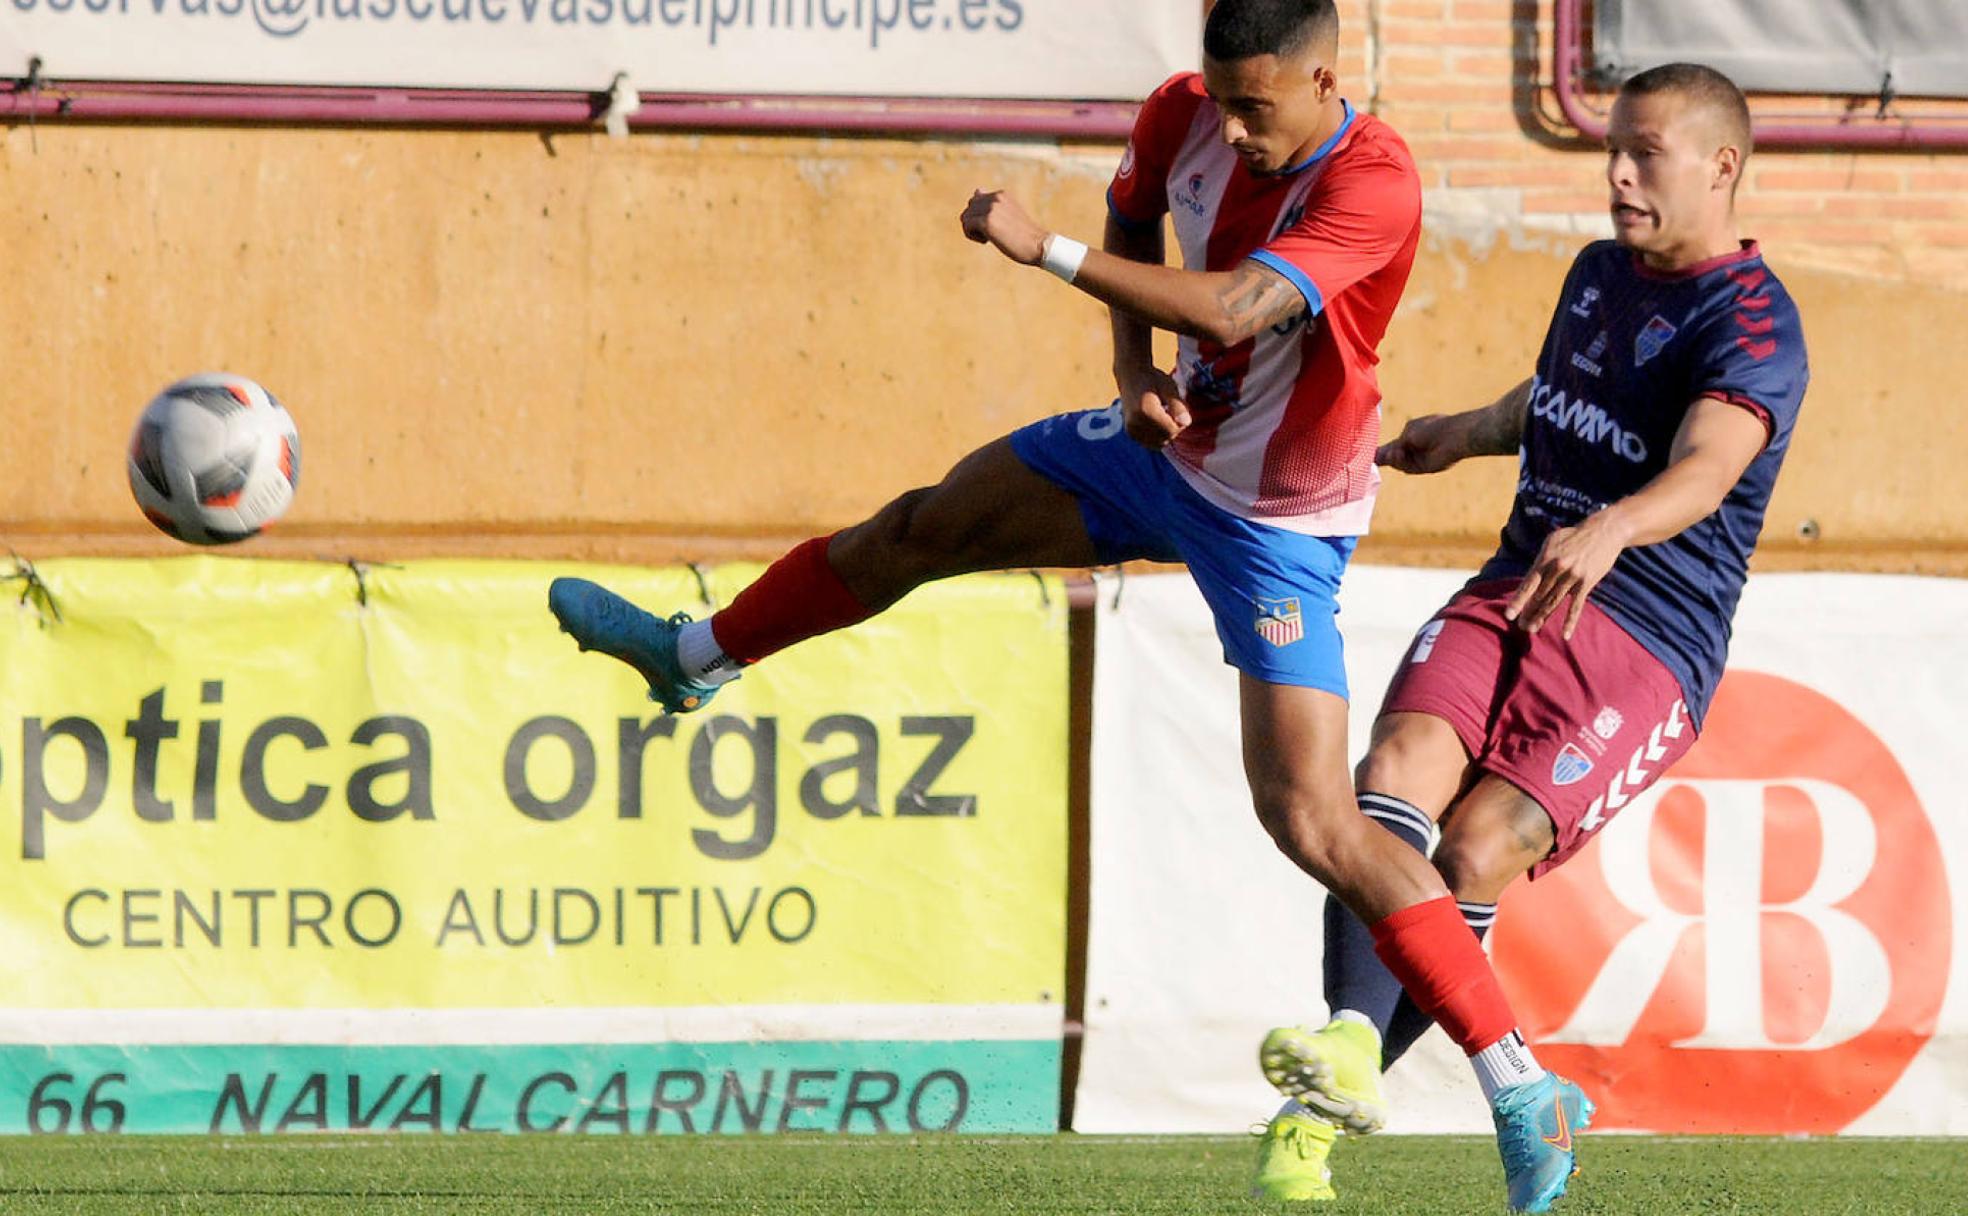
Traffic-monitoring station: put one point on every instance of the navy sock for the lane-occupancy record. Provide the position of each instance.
(1408, 1022)
(1356, 979)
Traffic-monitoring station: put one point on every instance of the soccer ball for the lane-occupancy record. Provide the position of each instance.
(214, 459)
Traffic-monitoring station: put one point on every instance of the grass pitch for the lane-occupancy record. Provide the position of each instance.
(958, 1176)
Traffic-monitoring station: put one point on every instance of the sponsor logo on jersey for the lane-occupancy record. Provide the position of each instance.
(1641, 769)
(1589, 361)
(1587, 421)
(1603, 728)
(1191, 198)
(1571, 766)
(1652, 340)
(1582, 307)
(1280, 622)
(1208, 385)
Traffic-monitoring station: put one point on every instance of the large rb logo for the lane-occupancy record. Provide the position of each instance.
(1760, 944)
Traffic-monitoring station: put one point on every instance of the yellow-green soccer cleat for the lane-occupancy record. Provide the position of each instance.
(1291, 1159)
(1335, 1071)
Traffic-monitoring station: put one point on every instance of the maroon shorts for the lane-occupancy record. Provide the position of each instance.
(1581, 726)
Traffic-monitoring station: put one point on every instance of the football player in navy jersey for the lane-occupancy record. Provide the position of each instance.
(1575, 668)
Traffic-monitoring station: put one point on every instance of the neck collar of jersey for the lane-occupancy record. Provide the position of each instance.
(1345, 125)
(1748, 252)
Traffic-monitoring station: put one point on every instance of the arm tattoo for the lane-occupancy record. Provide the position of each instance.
(1256, 298)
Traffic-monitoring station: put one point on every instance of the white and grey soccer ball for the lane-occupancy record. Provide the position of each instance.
(215, 458)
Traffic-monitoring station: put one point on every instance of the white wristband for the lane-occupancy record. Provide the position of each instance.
(1062, 255)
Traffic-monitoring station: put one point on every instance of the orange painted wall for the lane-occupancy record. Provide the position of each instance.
(681, 346)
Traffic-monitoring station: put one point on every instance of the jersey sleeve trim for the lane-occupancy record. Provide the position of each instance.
(1761, 411)
(1315, 302)
(1127, 221)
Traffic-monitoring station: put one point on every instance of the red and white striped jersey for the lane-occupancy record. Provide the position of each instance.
(1285, 423)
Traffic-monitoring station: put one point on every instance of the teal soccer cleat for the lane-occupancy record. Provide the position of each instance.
(1536, 1123)
(598, 619)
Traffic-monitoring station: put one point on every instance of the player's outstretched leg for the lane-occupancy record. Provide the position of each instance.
(991, 512)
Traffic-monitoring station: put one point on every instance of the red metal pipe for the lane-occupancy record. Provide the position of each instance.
(1772, 131)
(1091, 120)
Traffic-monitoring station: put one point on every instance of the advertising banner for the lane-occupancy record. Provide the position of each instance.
(301, 846)
(1764, 942)
(1086, 49)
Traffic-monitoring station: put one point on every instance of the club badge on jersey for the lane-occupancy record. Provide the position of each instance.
(1652, 340)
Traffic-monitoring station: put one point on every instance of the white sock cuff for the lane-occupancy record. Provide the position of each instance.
(1354, 1015)
(1505, 1063)
(702, 659)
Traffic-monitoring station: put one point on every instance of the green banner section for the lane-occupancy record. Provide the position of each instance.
(601, 1089)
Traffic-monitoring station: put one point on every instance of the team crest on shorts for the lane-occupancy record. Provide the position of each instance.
(1279, 622)
(1571, 766)
(1651, 340)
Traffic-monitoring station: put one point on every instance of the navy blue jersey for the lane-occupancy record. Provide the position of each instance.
(1628, 352)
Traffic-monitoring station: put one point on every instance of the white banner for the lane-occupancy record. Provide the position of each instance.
(1764, 943)
(1094, 49)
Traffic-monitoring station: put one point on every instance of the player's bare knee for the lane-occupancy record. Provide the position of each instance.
(1478, 862)
(939, 533)
(898, 536)
(1412, 757)
(1379, 771)
(1478, 869)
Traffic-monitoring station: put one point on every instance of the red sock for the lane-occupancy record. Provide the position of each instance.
(1442, 965)
(798, 597)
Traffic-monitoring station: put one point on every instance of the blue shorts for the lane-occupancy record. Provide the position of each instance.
(1274, 593)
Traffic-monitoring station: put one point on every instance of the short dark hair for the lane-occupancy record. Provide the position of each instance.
(1705, 87)
(1245, 29)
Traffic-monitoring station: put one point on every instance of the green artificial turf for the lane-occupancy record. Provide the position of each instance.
(972, 1176)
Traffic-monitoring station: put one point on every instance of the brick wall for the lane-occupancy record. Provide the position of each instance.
(1469, 83)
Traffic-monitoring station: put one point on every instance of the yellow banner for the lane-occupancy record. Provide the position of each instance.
(247, 784)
